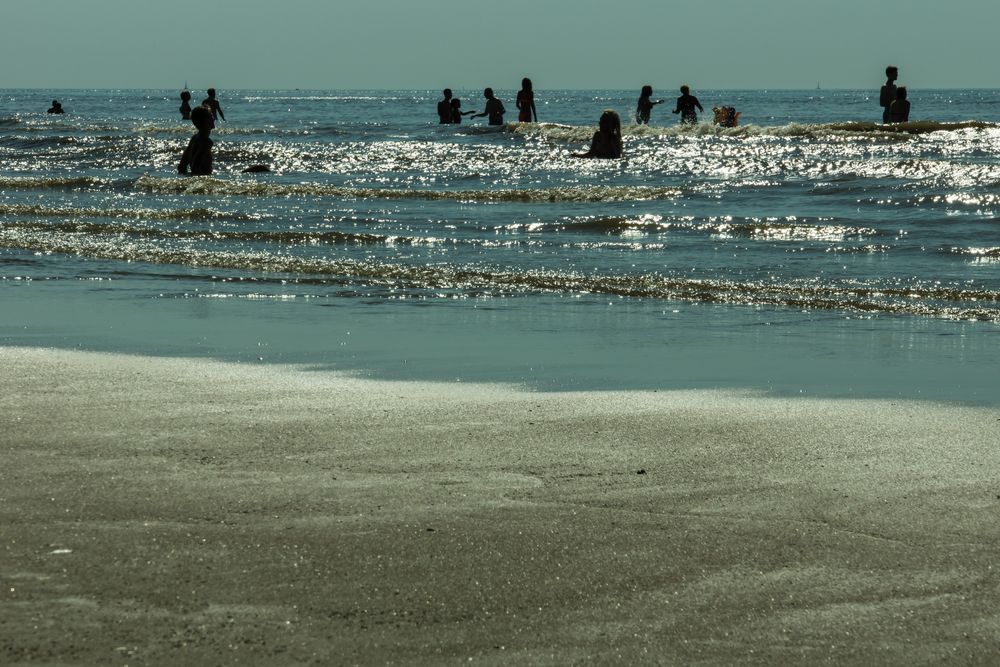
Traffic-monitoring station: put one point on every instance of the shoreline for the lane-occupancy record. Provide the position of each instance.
(164, 510)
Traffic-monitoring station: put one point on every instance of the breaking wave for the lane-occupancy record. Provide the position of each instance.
(920, 299)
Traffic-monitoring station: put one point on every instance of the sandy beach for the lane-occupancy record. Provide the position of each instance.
(174, 511)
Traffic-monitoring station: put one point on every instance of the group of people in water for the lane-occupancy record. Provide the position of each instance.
(450, 111)
(606, 142)
(198, 154)
(209, 102)
(450, 108)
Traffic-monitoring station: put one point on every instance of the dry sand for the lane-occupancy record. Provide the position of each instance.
(164, 511)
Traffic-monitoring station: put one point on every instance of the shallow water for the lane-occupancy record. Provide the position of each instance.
(810, 250)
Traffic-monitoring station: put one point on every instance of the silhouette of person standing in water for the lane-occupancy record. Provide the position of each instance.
(887, 95)
(494, 109)
(686, 104)
(444, 108)
(645, 105)
(198, 154)
(185, 104)
(899, 110)
(525, 103)
(55, 108)
(213, 105)
(607, 141)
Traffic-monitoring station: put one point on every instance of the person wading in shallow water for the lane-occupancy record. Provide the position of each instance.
(185, 105)
(494, 109)
(525, 103)
(456, 111)
(887, 94)
(213, 105)
(607, 141)
(198, 154)
(645, 105)
(686, 104)
(899, 110)
(444, 108)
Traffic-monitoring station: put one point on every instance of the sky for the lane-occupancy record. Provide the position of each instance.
(470, 44)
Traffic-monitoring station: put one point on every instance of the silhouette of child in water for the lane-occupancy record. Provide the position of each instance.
(494, 109)
(56, 107)
(185, 105)
(686, 104)
(525, 103)
(213, 105)
(198, 154)
(645, 105)
(607, 141)
(456, 111)
(444, 108)
(899, 110)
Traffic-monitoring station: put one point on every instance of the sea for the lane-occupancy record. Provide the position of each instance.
(810, 251)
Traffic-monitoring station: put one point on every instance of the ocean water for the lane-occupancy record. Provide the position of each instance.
(810, 251)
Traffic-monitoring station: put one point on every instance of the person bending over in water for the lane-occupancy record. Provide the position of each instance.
(526, 103)
(56, 107)
(185, 105)
(607, 141)
(444, 108)
(645, 105)
(686, 104)
(456, 111)
(494, 109)
(899, 110)
(198, 154)
(213, 105)
(887, 95)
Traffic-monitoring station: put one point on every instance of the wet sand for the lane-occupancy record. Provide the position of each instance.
(165, 511)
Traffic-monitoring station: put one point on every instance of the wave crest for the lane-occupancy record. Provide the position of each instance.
(925, 300)
(206, 185)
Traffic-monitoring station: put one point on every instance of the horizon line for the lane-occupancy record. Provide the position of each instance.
(438, 89)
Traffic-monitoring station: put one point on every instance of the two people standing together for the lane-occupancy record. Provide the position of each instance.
(892, 98)
(686, 105)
